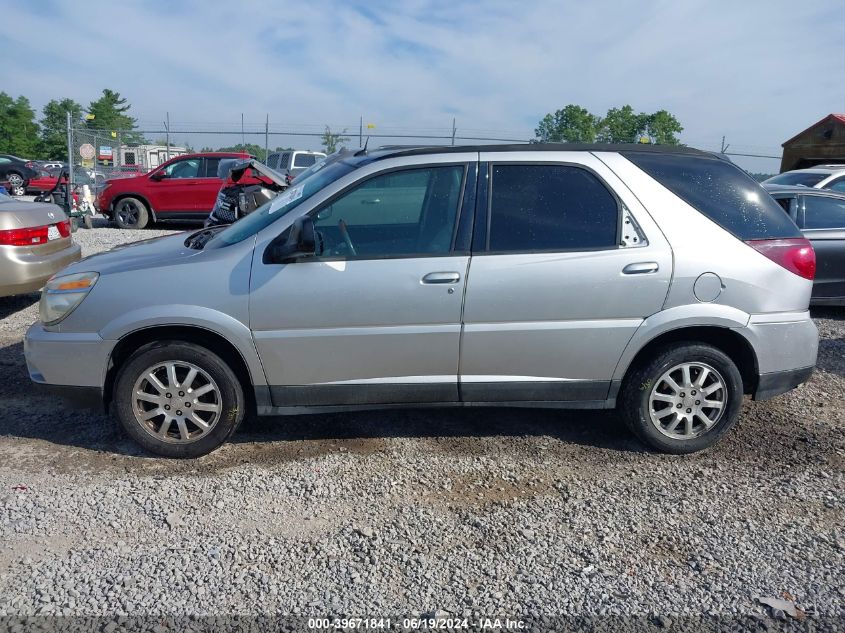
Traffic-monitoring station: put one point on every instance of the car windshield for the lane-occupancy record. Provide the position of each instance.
(805, 178)
(271, 211)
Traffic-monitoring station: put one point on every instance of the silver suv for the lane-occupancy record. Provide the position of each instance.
(663, 282)
(819, 177)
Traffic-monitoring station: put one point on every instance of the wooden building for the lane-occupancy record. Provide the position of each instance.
(820, 144)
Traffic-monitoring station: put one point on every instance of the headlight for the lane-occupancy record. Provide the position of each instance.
(62, 294)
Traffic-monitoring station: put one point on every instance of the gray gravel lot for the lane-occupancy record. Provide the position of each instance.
(479, 511)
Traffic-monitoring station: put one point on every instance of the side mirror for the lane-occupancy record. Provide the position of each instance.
(158, 175)
(301, 242)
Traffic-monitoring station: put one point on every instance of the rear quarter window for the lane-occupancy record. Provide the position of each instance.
(721, 191)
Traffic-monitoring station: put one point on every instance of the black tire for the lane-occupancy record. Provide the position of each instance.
(228, 396)
(634, 403)
(17, 183)
(131, 213)
(88, 221)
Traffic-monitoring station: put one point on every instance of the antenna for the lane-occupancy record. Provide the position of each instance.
(363, 150)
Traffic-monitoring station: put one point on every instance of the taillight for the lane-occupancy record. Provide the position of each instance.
(32, 236)
(794, 254)
(24, 237)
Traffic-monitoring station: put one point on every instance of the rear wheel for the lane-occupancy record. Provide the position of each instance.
(178, 399)
(683, 399)
(131, 213)
(17, 185)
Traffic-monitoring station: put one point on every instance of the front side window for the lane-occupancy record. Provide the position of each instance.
(550, 208)
(188, 168)
(824, 213)
(396, 214)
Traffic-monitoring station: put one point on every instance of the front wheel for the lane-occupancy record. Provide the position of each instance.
(683, 399)
(131, 213)
(178, 399)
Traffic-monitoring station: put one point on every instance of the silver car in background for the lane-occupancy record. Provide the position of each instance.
(35, 244)
(663, 282)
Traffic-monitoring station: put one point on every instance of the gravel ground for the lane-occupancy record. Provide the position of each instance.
(467, 512)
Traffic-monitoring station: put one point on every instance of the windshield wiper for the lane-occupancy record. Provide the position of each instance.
(199, 239)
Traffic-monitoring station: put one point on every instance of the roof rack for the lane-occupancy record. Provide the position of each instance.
(410, 150)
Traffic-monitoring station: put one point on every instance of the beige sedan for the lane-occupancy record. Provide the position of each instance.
(35, 243)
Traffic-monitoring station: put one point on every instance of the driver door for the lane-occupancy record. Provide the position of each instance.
(176, 193)
(375, 317)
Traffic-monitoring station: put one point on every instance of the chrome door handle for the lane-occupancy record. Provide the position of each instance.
(640, 268)
(441, 278)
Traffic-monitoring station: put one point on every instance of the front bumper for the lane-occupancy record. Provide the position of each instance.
(68, 361)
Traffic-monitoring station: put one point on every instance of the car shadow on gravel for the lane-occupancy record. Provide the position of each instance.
(10, 305)
(457, 426)
(31, 413)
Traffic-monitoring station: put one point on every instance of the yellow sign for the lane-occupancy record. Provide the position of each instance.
(371, 126)
(90, 117)
(114, 134)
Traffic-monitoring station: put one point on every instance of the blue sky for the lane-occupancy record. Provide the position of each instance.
(756, 72)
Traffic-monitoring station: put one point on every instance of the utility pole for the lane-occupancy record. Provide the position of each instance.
(243, 140)
(454, 129)
(69, 165)
(167, 136)
(361, 132)
(724, 147)
(266, 137)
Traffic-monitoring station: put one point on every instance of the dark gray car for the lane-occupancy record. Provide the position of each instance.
(820, 214)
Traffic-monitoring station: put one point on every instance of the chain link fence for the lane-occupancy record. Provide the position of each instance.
(98, 155)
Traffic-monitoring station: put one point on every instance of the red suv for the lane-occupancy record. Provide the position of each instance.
(183, 188)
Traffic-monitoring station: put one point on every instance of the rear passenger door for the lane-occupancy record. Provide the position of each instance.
(823, 223)
(565, 266)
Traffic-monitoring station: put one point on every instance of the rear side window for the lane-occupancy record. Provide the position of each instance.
(304, 160)
(823, 213)
(721, 191)
(550, 208)
(805, 178)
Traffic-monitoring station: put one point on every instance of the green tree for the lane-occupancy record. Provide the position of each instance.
(331, 140)
(663, 127)
(18, 129)
(622, 125)
(54, 127)
(110, 113)
(572, 124)
(250, 148)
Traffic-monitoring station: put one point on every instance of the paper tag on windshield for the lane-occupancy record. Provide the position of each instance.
(291, 195)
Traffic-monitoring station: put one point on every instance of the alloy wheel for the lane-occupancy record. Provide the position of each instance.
(688, 400)
(176, 402)
(127, 213)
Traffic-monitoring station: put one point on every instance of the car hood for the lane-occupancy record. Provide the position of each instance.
(156, 252)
